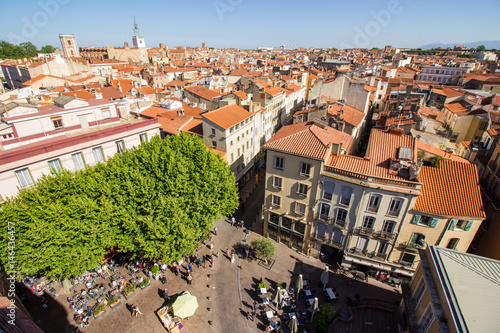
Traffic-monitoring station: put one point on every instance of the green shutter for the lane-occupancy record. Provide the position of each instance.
(433, 223)
(452, 225)
(468, 225)
(415, 219)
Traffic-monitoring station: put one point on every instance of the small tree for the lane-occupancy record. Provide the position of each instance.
(324, 317)
(481, 48)
(263, 247)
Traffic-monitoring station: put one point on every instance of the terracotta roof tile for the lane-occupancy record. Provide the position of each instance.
(203, 92)
(450, 190)
(308, 139)
(227, 116)
(351, 115)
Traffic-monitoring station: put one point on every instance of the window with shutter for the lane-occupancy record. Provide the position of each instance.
(415, 219)
(433, 222)
(468, 225)
(452, 225)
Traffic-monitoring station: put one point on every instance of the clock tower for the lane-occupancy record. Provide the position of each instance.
(137, 39)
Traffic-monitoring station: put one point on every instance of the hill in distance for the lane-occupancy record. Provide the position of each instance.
(489, 44)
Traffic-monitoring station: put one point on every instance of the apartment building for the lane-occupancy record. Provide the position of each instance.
(295, 157)
(71, 134)
(452, 291)
(231, 129)
(439, 74)
(380, 209)
(465, 121)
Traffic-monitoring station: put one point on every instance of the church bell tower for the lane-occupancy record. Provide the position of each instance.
(137, 39)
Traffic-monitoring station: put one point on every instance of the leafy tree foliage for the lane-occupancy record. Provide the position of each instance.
(481, 48)
(324, 317)
(47, 49)
(263, 247)
(23, 50)
(154, 200)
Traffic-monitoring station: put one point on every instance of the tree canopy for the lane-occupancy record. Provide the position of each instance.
(154, 201)
(23, 50)
(481, 48)
(263, 247)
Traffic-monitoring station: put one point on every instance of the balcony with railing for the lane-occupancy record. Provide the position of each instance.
(339, 223)
(385, 235)
(355, 250)
(363, 231)
(338, 245)
(377, 255)
(412, 246)
(323, 217)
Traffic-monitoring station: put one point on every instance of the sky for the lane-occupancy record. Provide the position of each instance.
(249, 24)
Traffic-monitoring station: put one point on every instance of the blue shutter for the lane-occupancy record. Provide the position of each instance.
(452, 225)
(433, 223)
(468, 225)
(415, 219)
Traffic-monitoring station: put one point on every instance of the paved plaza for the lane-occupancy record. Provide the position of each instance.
(230, 287)
(225, 293)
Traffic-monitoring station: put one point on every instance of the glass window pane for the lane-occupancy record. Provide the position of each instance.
(78, 160)
(97, 151)
(55, 165)
(24, 177)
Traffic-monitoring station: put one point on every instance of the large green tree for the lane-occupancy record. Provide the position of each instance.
(154, 200)
(23, 50)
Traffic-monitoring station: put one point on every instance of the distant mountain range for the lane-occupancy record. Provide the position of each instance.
(489, 44)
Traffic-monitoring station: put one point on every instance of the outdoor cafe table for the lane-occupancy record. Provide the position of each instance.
(269, 314)
(263, 290)
(329, 292)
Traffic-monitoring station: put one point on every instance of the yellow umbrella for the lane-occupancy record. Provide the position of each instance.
(185, 305)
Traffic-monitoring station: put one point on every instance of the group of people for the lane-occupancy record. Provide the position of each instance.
(81, 320)
(135, 310)
(239, 224)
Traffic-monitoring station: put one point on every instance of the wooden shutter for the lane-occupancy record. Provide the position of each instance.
(452, 225)
(433, 223)
(415, 219)
(468, 225)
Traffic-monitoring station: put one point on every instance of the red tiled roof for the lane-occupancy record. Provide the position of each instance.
(308, 139)
(80, 93)
(450, 190)
(350, 116)
(203, 92)
(240, 94)
(227, 116)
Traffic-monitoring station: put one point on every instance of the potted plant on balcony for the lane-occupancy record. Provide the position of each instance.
(99, 311)
(128, 291)
(114, 301)
(144, 284)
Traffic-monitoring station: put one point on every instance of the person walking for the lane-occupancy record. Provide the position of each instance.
(233, 221)
(253, 316)
(165, 295)
(228, 252)
(215, 231)
(190, 268)
(189, 279)
(255, 306)
(232, 258)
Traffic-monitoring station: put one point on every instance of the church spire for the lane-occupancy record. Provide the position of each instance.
(137, 32)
